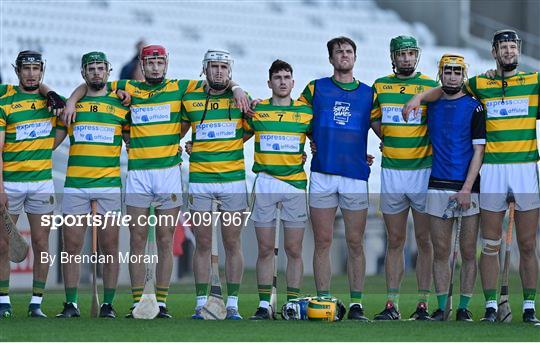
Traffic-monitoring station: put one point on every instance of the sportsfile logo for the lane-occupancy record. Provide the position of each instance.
(151, 114)
(33, 130)
(507, 108)
(342, 112)
(93, 133)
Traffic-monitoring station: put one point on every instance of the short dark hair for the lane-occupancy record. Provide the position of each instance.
(277, 66)
(338, 41)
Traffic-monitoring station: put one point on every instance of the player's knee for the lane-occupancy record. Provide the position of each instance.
(356, 246)
(232, 247)
(323, 242)
(40, 245)
(527, 247)
(441, 252)
(73, 248)
(109, 248)
(468, 255)
(266, 250)
(164, 242)
(293, 251)
(396, 242)
(491, 247)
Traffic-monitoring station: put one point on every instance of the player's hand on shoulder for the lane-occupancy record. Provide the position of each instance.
(55, 103)
(69, 113)
(490, 74)
(241, 100)
(252, 106)
(124, 97)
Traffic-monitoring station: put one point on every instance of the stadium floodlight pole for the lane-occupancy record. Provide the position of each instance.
(273, 295)
(18, 246)
(148, 308)
(214, 309)
(95, 298)
(448, 307)
(504, 313)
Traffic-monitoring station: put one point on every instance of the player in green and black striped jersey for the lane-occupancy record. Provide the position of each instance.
(93, 174)
(280, 126)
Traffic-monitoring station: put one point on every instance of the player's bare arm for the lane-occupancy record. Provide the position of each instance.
(68, 116)
(413, 105)
(464, 195)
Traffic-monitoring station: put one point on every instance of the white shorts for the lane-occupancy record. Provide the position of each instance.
(77, 200)
(497, 180)
(268, 192)
(403, 188)
(154, 185)
(36, 197)
(328, 191)
(231, 195)
(437, 202)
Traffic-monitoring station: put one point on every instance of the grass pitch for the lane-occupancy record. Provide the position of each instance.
(181, 302)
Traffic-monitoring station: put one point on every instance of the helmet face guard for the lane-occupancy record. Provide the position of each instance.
(453, 62)
(401, 44)
(154, 52)
(217, 56)
(295, 309)
(27, 57)
(506, 36)
(95, 57)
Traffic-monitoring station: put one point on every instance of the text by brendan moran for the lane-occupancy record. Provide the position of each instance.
(122, 257)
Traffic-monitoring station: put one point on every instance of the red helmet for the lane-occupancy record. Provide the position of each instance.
(153, 51)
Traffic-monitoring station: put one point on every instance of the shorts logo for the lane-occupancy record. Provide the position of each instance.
(51, 200)
(342, 112)
(190, 199)
(174, 197)
(33, 130)
(151, 114)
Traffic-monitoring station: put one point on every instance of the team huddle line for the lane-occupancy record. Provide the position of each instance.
(454, 150)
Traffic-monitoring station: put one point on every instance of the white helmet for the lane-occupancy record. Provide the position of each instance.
(217, 56)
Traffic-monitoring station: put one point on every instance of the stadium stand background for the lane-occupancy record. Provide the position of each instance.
(256, 33)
